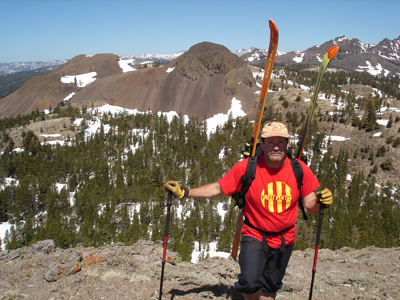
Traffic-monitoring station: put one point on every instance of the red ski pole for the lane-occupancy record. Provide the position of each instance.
(318, 238)
(169, 203)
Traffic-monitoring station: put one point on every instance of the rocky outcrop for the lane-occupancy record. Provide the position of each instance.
(133, 272)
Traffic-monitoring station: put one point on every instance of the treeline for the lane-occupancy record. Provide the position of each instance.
(98, 189)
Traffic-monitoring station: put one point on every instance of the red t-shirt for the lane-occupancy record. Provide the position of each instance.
(271, 201)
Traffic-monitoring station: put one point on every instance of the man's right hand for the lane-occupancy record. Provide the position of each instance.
(178, 191)
(325, 197)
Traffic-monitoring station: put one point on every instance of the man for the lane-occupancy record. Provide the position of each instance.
(270, 211)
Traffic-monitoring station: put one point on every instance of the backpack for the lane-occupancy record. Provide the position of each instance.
(248, 178)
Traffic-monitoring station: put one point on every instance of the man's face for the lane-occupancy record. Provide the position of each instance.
(275, 148)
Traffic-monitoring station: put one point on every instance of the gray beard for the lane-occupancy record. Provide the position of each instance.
(274, 158)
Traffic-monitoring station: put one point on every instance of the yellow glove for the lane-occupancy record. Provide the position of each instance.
(176, 189)
(325, 197)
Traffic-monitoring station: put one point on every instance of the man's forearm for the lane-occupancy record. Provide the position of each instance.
(310, 203)
(206, 191)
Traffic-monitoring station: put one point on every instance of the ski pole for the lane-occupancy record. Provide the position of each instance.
(319, 229)
(169, 203)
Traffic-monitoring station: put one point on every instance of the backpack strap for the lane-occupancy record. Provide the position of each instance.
(298, 173)
(249, 176)
(246, 180)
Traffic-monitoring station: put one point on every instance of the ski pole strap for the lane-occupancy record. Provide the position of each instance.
(269, 233)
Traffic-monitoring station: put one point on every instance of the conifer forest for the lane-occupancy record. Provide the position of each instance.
(108, 196)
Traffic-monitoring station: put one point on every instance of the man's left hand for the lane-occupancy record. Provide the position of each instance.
(178, 191)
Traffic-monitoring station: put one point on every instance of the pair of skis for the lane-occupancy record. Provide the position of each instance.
(250, 147)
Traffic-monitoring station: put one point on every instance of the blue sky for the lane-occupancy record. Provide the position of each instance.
(36, 30)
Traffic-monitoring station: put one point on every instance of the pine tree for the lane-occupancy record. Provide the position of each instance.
(390, 122)
(14, 242)
(135, 230)
(225, 237)
(371, 118)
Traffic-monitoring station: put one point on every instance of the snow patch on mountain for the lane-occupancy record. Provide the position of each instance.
(125, 65)
(300, 58)
(373, 70)
(68, 97)
(340, 39)
(220, 119)
(81, 80)
(255, 56)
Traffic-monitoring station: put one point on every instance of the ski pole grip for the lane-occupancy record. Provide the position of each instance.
(169, 203)
(319, 229)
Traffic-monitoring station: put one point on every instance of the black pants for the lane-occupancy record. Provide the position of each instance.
(258, 271)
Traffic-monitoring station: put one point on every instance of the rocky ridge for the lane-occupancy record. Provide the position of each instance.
(133, 272)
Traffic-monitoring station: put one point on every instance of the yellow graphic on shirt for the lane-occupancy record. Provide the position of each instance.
(283, 196)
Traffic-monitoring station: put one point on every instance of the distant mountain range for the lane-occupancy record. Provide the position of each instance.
(382, 59)
(198, 82)
(10, 68)
(152, 57)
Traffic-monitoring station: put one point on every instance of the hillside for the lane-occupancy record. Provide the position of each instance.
(46, 91)
(205, 79)
(9, 83)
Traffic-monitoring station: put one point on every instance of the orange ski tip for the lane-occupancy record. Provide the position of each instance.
(272, 24)
(332, 52)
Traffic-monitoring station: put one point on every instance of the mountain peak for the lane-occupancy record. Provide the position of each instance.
(341, 39)
(207, 59)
